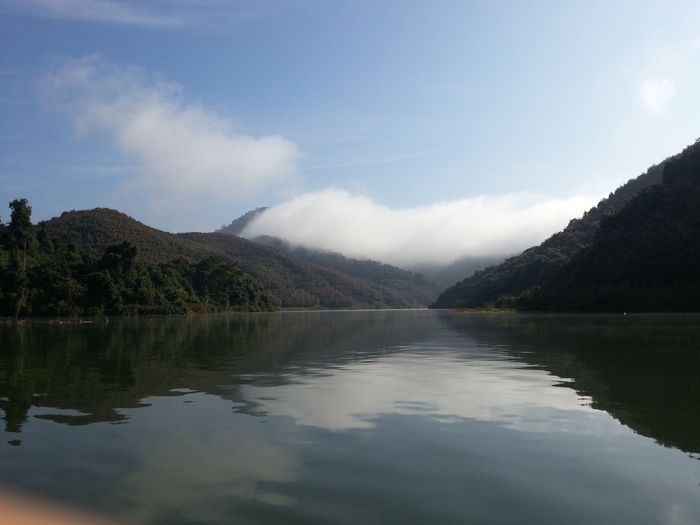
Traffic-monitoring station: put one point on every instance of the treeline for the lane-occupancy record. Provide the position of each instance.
(500, 284)
(645, 257)
(638, 250)
(404, 287)
(289, 281)
(41, 275)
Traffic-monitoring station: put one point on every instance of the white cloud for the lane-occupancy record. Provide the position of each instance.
(95, 10)
(655, 95)
(186, 152)
(154, 13)
(440, 233)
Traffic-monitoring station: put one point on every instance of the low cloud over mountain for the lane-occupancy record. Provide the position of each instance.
(440, 233)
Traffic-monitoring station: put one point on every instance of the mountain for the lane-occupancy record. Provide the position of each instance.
(645, 257)
(98, 228)
(289, 281)
(43, 275)
(238, 225)
(412, 287)
(408, 287)
(536, 266)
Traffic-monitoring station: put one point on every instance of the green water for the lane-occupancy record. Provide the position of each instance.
(358, 417)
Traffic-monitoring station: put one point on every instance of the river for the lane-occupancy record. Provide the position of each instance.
(358, 417)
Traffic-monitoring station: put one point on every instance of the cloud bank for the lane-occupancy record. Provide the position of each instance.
(441, 233)
(95, 10)
(154, 14)
(186, 152)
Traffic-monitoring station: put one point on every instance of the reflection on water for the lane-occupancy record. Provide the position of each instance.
(356, 394)
(202, 463)
(347, 417)
(643, 369)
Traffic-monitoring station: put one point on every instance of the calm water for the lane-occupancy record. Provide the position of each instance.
(358, 417)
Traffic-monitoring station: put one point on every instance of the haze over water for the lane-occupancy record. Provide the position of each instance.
(358, 417)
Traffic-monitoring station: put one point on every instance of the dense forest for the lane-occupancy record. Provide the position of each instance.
(637, 250)
(413, 288)
(645, 257)
(42, 275)
(408, 284)
(289, 281)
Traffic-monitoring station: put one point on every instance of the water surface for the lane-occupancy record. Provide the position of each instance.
(358, 417)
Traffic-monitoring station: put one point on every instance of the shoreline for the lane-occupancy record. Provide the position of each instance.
(459, 311)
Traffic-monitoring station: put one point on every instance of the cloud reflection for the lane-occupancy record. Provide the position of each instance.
(354, 395)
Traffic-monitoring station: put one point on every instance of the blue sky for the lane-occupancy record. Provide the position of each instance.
(407, 104)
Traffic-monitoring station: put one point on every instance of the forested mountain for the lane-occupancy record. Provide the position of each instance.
(287, 280)
(645, 257)
(499, 284)
(238, 225)
(41, 274)
(412, 288)
(98, 228)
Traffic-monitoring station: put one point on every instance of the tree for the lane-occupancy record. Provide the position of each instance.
(119, 258)
(20, 217)
(20, 239)
(20, 227)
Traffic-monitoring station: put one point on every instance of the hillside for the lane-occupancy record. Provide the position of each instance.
(419, 284)
(238, 225)
(43, 275)
(407, 287)
(100, 227)
(288, 280)
(302, 282)
(645, 257)
(543, 263)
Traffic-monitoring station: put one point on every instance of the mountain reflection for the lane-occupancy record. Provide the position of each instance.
(87, 373)
(343, 370)
(99, 369)
(641, 369)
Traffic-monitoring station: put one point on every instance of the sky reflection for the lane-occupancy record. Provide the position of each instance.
(443, 386)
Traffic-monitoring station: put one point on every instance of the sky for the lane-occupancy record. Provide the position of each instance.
(377, 128)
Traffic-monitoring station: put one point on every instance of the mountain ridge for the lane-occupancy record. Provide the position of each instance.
(497, 284)
(413, 287)
(643, 258)
(239, 224)
(290, 281)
